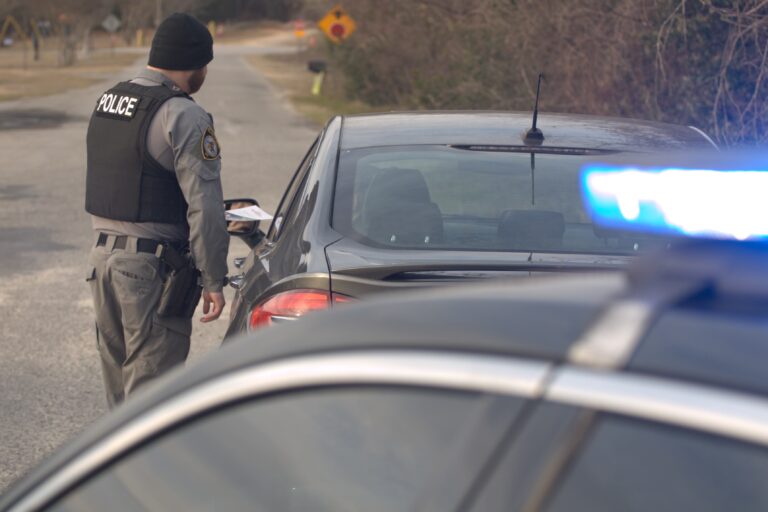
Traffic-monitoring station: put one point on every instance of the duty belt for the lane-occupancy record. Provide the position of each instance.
(170, 253)
(121, 242)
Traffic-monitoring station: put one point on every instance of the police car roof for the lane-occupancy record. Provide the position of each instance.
(512, 320)
(508, 128)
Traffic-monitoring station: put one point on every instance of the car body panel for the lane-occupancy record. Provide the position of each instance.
(359, 270)
(348, 327)
(508, 128)
(716, 350)
(297, 258)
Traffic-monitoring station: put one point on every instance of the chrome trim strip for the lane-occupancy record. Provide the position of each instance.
(703, 134)
(609, 343)
(277, 319)
(417, 368)
(698, 407)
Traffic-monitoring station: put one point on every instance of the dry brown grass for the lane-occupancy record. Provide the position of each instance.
(289, 74)
(21, 76)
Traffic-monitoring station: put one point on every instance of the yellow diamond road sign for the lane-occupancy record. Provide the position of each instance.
(337, 25)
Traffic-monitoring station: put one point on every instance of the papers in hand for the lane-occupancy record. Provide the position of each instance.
(249, 213)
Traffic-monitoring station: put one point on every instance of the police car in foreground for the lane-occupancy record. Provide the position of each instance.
(579, 393)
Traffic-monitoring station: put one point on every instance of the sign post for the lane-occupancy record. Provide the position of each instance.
(111, 24)
(10, 22)
(299, 29)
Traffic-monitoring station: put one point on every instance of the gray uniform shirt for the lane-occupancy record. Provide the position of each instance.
(175, 140)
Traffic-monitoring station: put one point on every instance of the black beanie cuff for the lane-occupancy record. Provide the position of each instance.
(179, 59)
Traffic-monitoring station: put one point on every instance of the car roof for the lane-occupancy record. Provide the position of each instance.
(498, 330)
(508, 128)
(541, 318)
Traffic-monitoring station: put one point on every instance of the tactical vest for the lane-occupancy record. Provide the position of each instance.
(123, 181)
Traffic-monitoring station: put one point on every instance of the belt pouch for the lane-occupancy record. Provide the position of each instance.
(181, 292)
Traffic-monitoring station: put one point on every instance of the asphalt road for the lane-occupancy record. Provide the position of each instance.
(50, 381)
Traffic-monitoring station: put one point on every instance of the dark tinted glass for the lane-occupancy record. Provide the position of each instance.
(438, 197)
(633, 466)
(338, 450)
(527, 460)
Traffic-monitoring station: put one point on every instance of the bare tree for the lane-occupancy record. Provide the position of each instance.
(699, 62)
(72, 20)
(135, 14)
(740, 106)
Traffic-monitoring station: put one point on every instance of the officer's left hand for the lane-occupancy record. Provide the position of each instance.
(215, 299)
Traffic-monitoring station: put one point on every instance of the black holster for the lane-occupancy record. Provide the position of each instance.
(181, 289)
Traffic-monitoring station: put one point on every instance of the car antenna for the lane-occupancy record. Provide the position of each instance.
(534, 136)
(533, 178)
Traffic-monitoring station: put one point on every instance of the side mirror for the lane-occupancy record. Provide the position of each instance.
(238, 225)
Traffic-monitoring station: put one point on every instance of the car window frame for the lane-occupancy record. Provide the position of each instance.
(351, 367)
(485, 418)
(289, 196)
(647, 397)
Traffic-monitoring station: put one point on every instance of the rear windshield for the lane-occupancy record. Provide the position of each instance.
(439, 197)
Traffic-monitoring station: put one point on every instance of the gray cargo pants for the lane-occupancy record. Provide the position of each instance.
(134, 344)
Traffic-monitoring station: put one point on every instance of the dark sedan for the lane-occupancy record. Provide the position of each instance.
(391, 201)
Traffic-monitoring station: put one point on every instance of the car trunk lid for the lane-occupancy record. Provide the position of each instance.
(358, 270)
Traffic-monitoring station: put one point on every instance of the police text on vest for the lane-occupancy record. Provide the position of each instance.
(117, 105)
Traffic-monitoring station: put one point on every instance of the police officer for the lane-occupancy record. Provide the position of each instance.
(154, 191)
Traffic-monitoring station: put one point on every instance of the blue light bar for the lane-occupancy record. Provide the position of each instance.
(701, 203)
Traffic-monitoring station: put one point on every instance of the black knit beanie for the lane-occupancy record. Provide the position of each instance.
(181, 43)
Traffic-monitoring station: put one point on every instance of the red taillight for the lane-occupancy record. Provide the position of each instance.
(291, 305)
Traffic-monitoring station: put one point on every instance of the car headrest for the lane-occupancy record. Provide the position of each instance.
(398, 209)
(398, 185)
(535, 229)
(413, 224)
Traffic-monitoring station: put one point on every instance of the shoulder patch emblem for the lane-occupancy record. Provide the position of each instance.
(209, 145)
